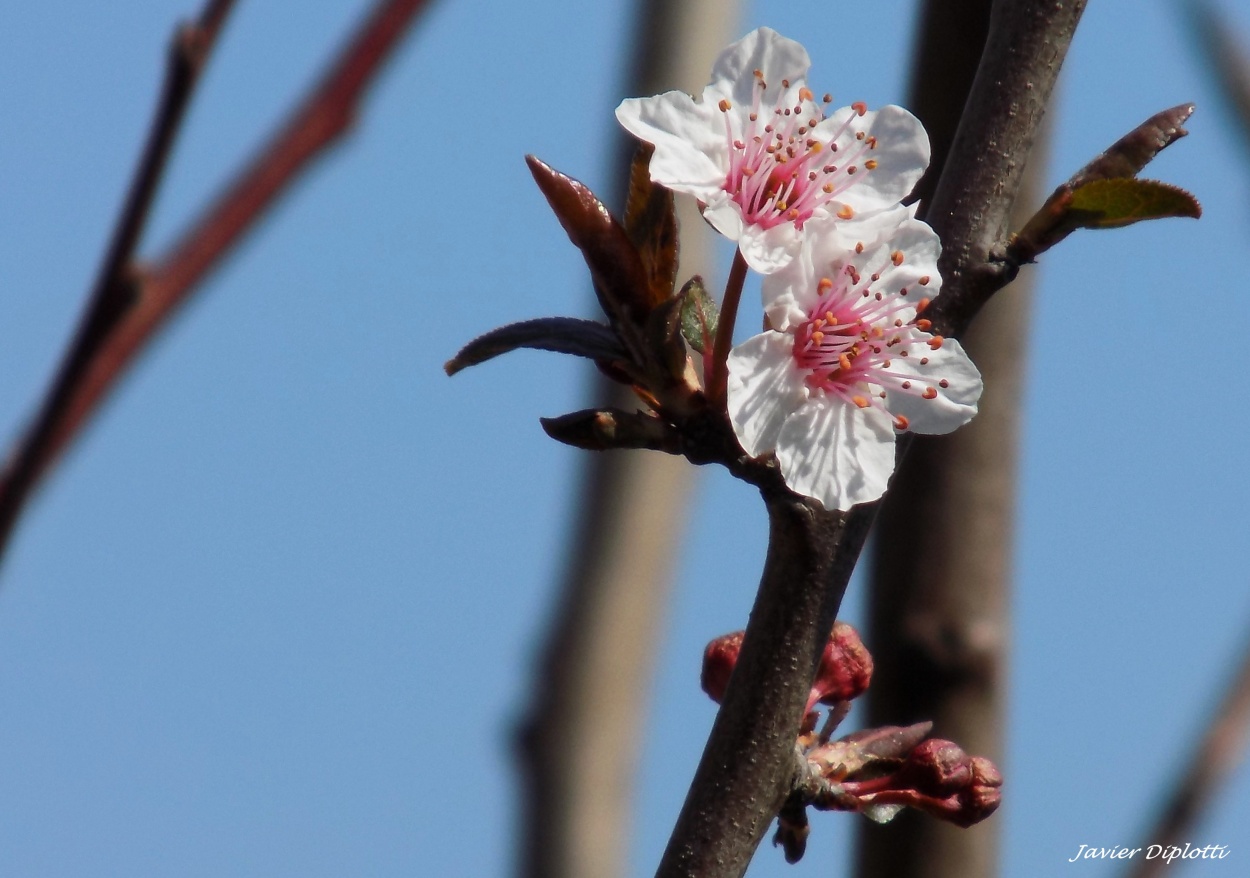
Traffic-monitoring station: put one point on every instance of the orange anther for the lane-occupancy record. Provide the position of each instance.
(897, 257)
(936, 342)
(823, 287)
(862, 402)
(805, 94)
(923, 324)
(924, 280)
(871, 164)
(859, 246)
(724, 105)
(921, 305)
(845, 362)
(901, 422)
(930, 393)
(859, 107)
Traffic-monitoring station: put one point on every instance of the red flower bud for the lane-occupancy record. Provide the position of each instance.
(935, 768)
(983, 796)
(719, 659)
(845, 668)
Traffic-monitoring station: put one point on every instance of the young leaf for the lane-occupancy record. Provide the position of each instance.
(651, 223)
(616, 268)
(1108, 204)
(564, 335)
(699, 315)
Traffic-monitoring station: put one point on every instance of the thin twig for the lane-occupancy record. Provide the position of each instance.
(748, 761)
(130, 303)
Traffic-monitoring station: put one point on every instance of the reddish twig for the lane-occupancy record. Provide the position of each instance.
(131, 302)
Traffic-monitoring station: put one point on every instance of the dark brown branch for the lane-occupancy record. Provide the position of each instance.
(130, 303)
(1214, 757)
(970, 210)
(747, 764)
(749, 767)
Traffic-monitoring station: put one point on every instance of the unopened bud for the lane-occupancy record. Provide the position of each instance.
(845, 668)
(719, 659)
(983, 796)
(936, 768)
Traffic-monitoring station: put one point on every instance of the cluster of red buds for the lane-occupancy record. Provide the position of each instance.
(876, 772)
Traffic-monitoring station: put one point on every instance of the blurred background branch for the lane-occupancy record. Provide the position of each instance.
(580, 738)
(132, 301)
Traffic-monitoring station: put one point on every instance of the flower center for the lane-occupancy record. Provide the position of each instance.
(781, 171)
(851, 337)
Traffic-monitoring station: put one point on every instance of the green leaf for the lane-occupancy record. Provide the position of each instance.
(1109, 204)
(651, 223)
(699, 315)
(564, 335)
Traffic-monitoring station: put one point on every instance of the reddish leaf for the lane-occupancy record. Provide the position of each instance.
(651, 223)
(616, 268)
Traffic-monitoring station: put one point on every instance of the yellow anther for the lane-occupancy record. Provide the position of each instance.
(845, 212)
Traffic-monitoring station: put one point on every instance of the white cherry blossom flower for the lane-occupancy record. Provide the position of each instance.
(763, 157)
(849, 360)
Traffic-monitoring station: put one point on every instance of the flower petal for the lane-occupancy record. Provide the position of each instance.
(902, 155)
(954, 404)
(769, 250)
(836, 453)
(764, 387)
(689, 139)
(763, 49)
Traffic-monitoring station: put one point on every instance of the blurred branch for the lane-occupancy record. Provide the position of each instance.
(582, 729)
(1217, 754)
(131, 302)
(749, 760)
(1228, 58)
(937, 603)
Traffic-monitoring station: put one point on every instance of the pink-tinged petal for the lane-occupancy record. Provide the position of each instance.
(763, 388)
(950, 406)
(836, 453)
(689, 140)
(765, 50)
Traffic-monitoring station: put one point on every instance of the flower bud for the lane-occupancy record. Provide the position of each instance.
(936, 768)
(982, 796)
(845, 668)
(719, 659)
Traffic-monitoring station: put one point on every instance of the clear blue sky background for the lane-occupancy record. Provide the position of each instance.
(275, 614)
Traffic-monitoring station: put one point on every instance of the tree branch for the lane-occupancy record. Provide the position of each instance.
(748, 762)
(1214, 757)
(131, 303)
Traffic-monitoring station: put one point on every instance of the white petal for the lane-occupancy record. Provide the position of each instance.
(769, 250)
(691, 152)
(723, 214)
(954, 404)
(764, 387)
(837, 453)
(765, 50)
(902, 155)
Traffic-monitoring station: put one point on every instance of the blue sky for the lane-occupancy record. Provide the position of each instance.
(274, 615)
